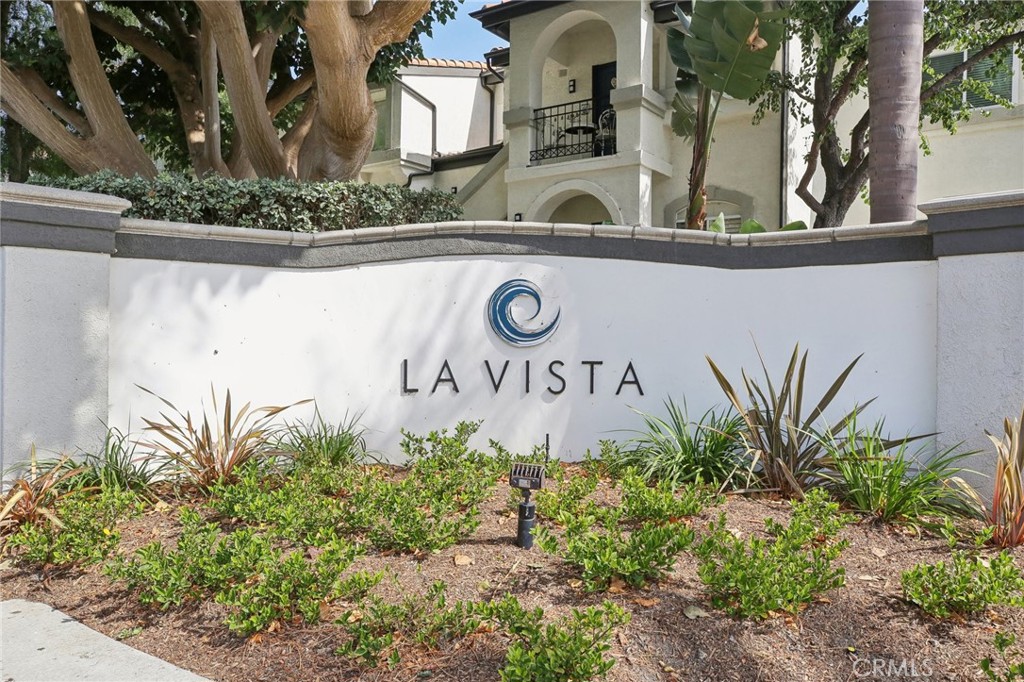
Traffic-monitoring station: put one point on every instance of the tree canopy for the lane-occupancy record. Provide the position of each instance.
(246, 88)
(833, 76)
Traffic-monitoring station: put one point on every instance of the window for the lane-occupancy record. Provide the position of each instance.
(733, 219)
(995, 71)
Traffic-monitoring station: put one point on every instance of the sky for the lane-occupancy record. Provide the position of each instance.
(462, 37)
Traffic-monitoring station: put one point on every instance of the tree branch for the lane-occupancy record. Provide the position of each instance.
(959, 70)
(45, 94)
(183, 36)
(21, 103)
(211, 102)
(859, 139)
(263, 45)
(148, 47)
(293, 139)
(286, 95)
(93, 89)
(843, 91)
(802, 190)
(247, 93)
(391, 21)
(839, 24)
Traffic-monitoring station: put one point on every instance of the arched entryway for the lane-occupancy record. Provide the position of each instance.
(575, 201)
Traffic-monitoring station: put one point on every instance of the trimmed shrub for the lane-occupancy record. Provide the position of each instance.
(268, 204)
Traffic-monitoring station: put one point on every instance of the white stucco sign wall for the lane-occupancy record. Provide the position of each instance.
(535, 329)
(409, 344)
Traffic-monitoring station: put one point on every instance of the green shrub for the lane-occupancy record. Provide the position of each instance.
(679, 451)
(284, 586)
(285, 506)
(243, 570)
(966, 584)
(877, 476)
(570, 650)
(82, 532)
(269, 204)
(436, 503)
(1014, 669)
(568, 497)
(756, 577)
(376, 628)
(605, 552)
(661, 502)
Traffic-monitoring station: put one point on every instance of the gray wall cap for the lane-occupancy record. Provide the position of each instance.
(974, 202)
(498, 227)
(62, 198)
(47, 218)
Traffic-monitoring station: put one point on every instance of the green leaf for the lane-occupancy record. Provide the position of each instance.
(751, 226)
(733, 45)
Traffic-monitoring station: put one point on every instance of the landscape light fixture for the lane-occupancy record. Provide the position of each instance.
(528, 477)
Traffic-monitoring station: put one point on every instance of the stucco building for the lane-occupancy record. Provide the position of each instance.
(571, 123)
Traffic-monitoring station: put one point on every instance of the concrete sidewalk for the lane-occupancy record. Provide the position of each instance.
(39, 643)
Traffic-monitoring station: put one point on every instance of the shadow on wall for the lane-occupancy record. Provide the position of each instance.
(55, 342)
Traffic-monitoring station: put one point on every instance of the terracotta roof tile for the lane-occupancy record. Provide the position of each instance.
(450, 63)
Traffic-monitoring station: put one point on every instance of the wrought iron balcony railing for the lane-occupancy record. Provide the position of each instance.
(563, 130)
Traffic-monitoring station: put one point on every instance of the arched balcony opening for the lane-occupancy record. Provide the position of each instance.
(573, 71)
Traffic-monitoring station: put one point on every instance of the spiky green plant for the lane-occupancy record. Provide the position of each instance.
(207, 454)
(788, 454)
(319, 442)
(1006, 515)
(879, 476)
(680, 451)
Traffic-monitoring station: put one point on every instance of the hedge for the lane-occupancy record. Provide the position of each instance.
(268, 204)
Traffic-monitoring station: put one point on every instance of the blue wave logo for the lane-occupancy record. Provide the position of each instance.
(499, 314)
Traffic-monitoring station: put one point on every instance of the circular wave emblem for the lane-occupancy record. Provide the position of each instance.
(499, 314)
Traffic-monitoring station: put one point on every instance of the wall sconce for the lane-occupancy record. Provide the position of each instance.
(572, 85)
(455, 190)
(518, 217)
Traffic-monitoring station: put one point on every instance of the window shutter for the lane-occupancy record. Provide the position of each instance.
(999, 79)
(945, 63)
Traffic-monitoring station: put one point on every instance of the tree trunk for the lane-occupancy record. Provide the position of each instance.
(113, 136)
(245, 90)
(895, 48)
(343, 48)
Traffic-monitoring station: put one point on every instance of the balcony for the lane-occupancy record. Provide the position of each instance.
(572, 131)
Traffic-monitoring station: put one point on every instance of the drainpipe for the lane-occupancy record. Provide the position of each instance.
(490, 107)
(483, 82)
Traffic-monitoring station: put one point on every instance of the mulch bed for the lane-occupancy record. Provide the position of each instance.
(861, 631)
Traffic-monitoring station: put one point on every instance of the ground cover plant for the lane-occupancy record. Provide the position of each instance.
(322, 563)
(785, 571)
(966, 584)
